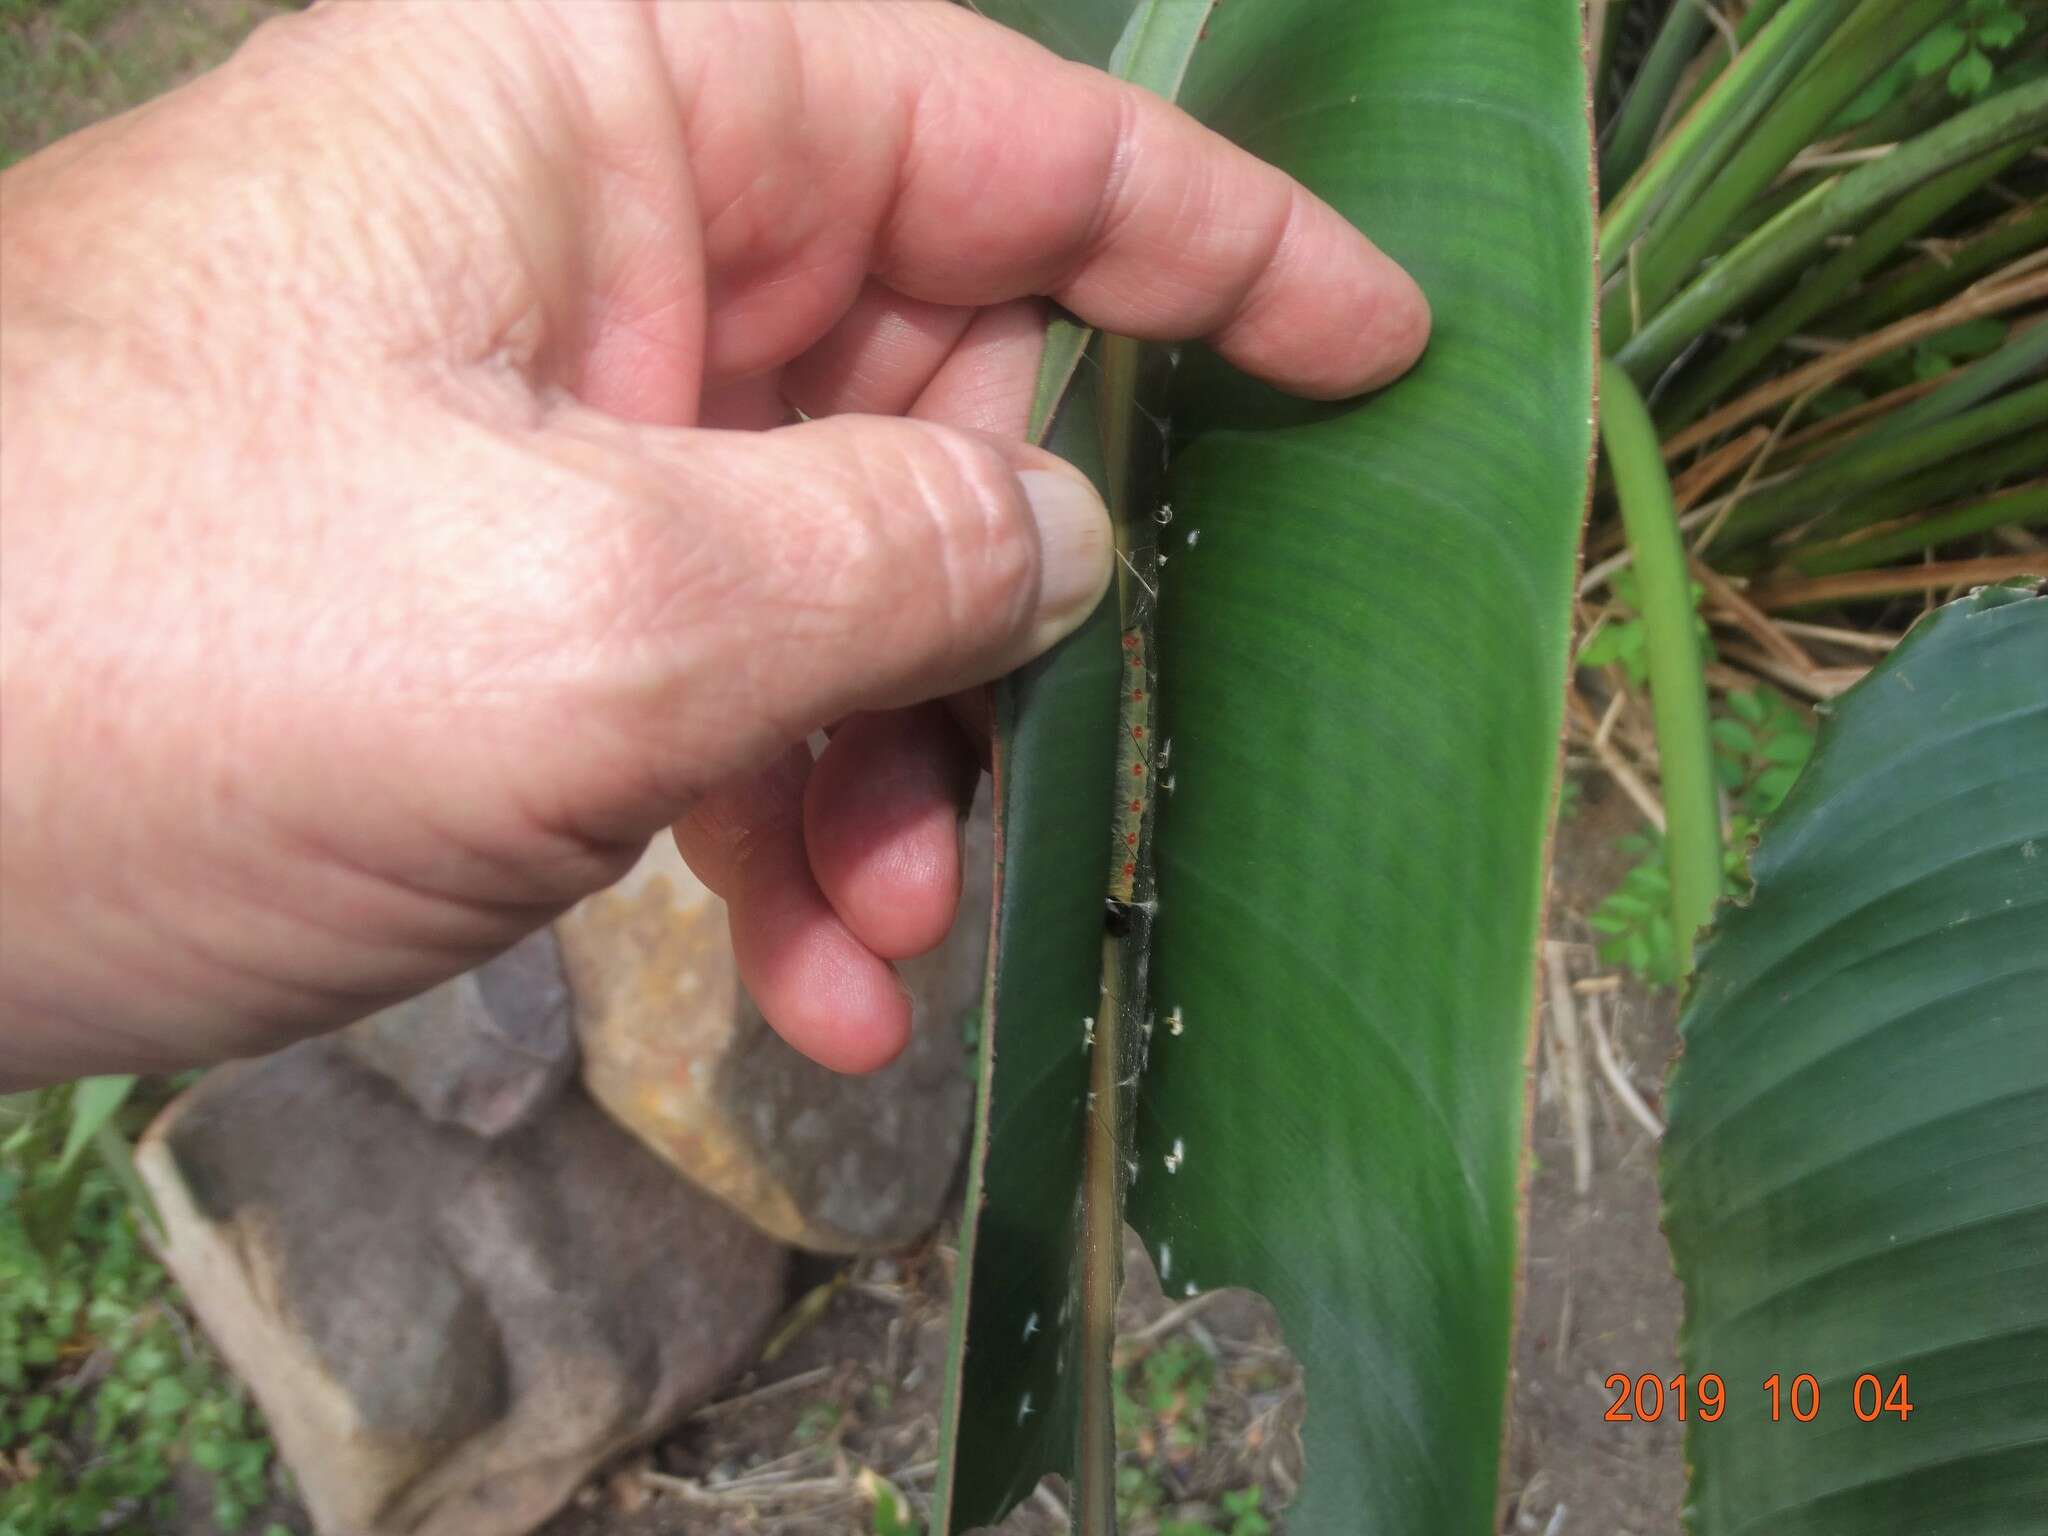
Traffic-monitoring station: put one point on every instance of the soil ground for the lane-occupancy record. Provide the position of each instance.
(1598, 1294)
(853, 1382)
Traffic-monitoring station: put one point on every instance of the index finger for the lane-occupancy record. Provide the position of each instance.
(982, 167)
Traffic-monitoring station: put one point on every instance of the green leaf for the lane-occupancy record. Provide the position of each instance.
(1971, 75)
(1350, 864)
(35, 1413)
(1746, 704)
(1734, 735)
(891, 1513)
(210, 1455)
(93, 1103)
(167, 1398)
(1608, 643)
(2000, 30)
(1376, 1011)
(1855, 1175)
(1937, 50)
(1790, 751)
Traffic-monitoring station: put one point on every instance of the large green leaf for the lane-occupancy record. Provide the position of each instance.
(1362, 655)
(1856, 1171)
(1360, 645)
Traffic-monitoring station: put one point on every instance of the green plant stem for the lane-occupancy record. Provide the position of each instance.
(1827, 284)
(2024, 506)
(1130, 491)
(1635, 126)
(1842, 202)
(1754, 20)
(1925, 282)
(1764, 207)
(2020, 358)
(1603, 57)
(1711, 131)
(1685, 230)
(1943, 484)
(1678, 690)
(1820, 493)
(1918, 108)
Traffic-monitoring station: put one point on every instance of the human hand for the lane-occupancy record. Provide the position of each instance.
(398, 524)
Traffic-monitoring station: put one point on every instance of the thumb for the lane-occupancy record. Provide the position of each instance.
(788, 578)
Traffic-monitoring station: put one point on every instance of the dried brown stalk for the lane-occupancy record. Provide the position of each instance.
(1851, 585)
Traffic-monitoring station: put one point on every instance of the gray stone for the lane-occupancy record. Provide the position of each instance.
(488, 1051)
(676, 1051)
(447, 1333)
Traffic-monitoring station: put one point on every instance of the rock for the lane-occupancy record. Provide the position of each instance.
(673, 1048)
(487, 1051)
(447, 1333)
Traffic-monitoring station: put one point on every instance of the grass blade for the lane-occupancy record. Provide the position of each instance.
(1828, 284)
(1711, 131)
(1928, 280)
(1635, 126)
(1684, 232)
(2023, 506)
(1820, 493)
(1777, 250)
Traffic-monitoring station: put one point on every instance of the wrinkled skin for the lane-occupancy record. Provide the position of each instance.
(400, 521)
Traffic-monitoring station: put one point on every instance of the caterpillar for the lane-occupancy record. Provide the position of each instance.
(1134, 772)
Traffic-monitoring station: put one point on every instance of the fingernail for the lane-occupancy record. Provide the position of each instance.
(1075, 545)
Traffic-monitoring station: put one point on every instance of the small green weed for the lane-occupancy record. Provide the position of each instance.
(892, 1514)
(1241, 1509)
(818, 1422)
(1760, 745)
(1618, 639)
(1957, 53)
(1160, 1399)
(103, 1389)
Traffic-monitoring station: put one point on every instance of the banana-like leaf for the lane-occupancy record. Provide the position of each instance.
(1856, 1171)
(1360, 645)
(1362, 649)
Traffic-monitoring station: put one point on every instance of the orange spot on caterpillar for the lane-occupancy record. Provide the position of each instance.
(1137, 772)
(1131, 839)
